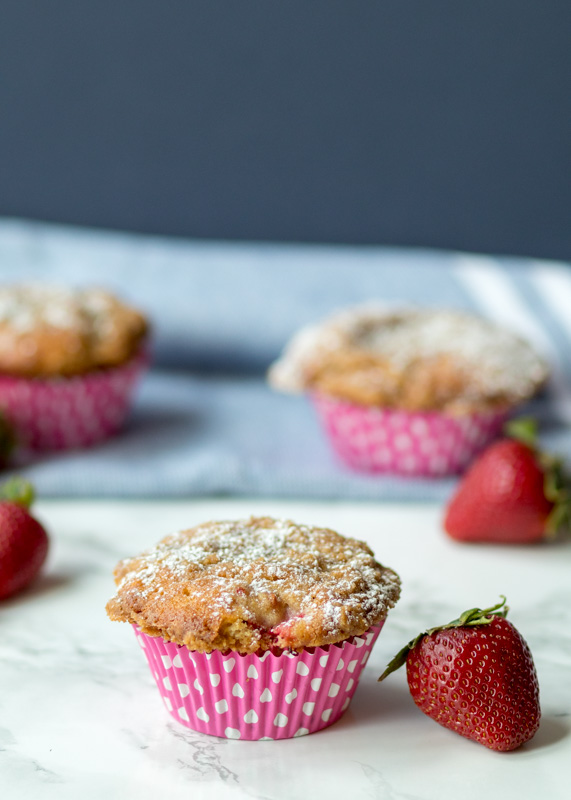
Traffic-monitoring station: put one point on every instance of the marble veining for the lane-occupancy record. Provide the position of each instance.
(80, 715)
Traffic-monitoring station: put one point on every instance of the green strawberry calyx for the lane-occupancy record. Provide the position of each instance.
(556, 482)
(18, 490)
(469, 619)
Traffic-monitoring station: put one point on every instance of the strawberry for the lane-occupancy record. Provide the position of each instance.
(475, 676)
(23, 541)
(512, 493)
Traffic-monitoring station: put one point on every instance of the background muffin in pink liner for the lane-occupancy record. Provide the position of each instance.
(414, 392)
(69, 362)
(258, 628)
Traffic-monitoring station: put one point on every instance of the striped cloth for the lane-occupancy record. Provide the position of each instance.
(204, 421)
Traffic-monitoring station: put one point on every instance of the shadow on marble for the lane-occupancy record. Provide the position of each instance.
(44, 584)
(382, 704)
(552, 730)
(378, 704)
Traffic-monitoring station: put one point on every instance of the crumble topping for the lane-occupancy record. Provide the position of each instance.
(252, 585)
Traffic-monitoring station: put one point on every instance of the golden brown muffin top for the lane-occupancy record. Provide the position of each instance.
(254, 584)
(49, 331)
(417, 360)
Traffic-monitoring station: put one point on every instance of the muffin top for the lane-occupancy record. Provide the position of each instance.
(254, 584)
(48, 331)
(417, 360)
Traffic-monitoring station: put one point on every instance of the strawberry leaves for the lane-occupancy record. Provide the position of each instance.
(470, 618)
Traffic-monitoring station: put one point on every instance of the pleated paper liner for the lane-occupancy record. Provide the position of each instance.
(429, 444)
(268, 696)
(65, 413)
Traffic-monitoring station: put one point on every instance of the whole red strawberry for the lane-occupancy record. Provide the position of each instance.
(511, 494)
(475, 676)
(23, 541)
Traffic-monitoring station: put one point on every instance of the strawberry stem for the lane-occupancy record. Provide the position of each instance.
(470, 618)
(523, 429)
(18, 490)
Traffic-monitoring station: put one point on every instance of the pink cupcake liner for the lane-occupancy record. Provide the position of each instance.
(64, 413)
(253, 697)
(426, 444)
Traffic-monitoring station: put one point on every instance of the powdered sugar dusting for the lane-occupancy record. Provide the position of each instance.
(495, 361)
(286, 585)
(91, 312)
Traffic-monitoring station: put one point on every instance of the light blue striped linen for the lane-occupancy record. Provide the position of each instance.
(204, 421)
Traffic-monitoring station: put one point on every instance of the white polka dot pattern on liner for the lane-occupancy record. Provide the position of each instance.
(415, 443)
(73, 412)
(249, 697)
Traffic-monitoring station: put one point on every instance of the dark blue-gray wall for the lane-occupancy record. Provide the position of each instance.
(423, 122)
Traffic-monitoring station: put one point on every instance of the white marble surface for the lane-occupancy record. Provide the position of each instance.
(81, 718)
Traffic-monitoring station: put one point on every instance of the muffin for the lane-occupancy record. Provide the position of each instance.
(415, 392)
(257, 628)
(69, 362)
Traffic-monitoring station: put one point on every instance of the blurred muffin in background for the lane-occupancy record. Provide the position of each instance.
(69, 362)
(414, 391)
